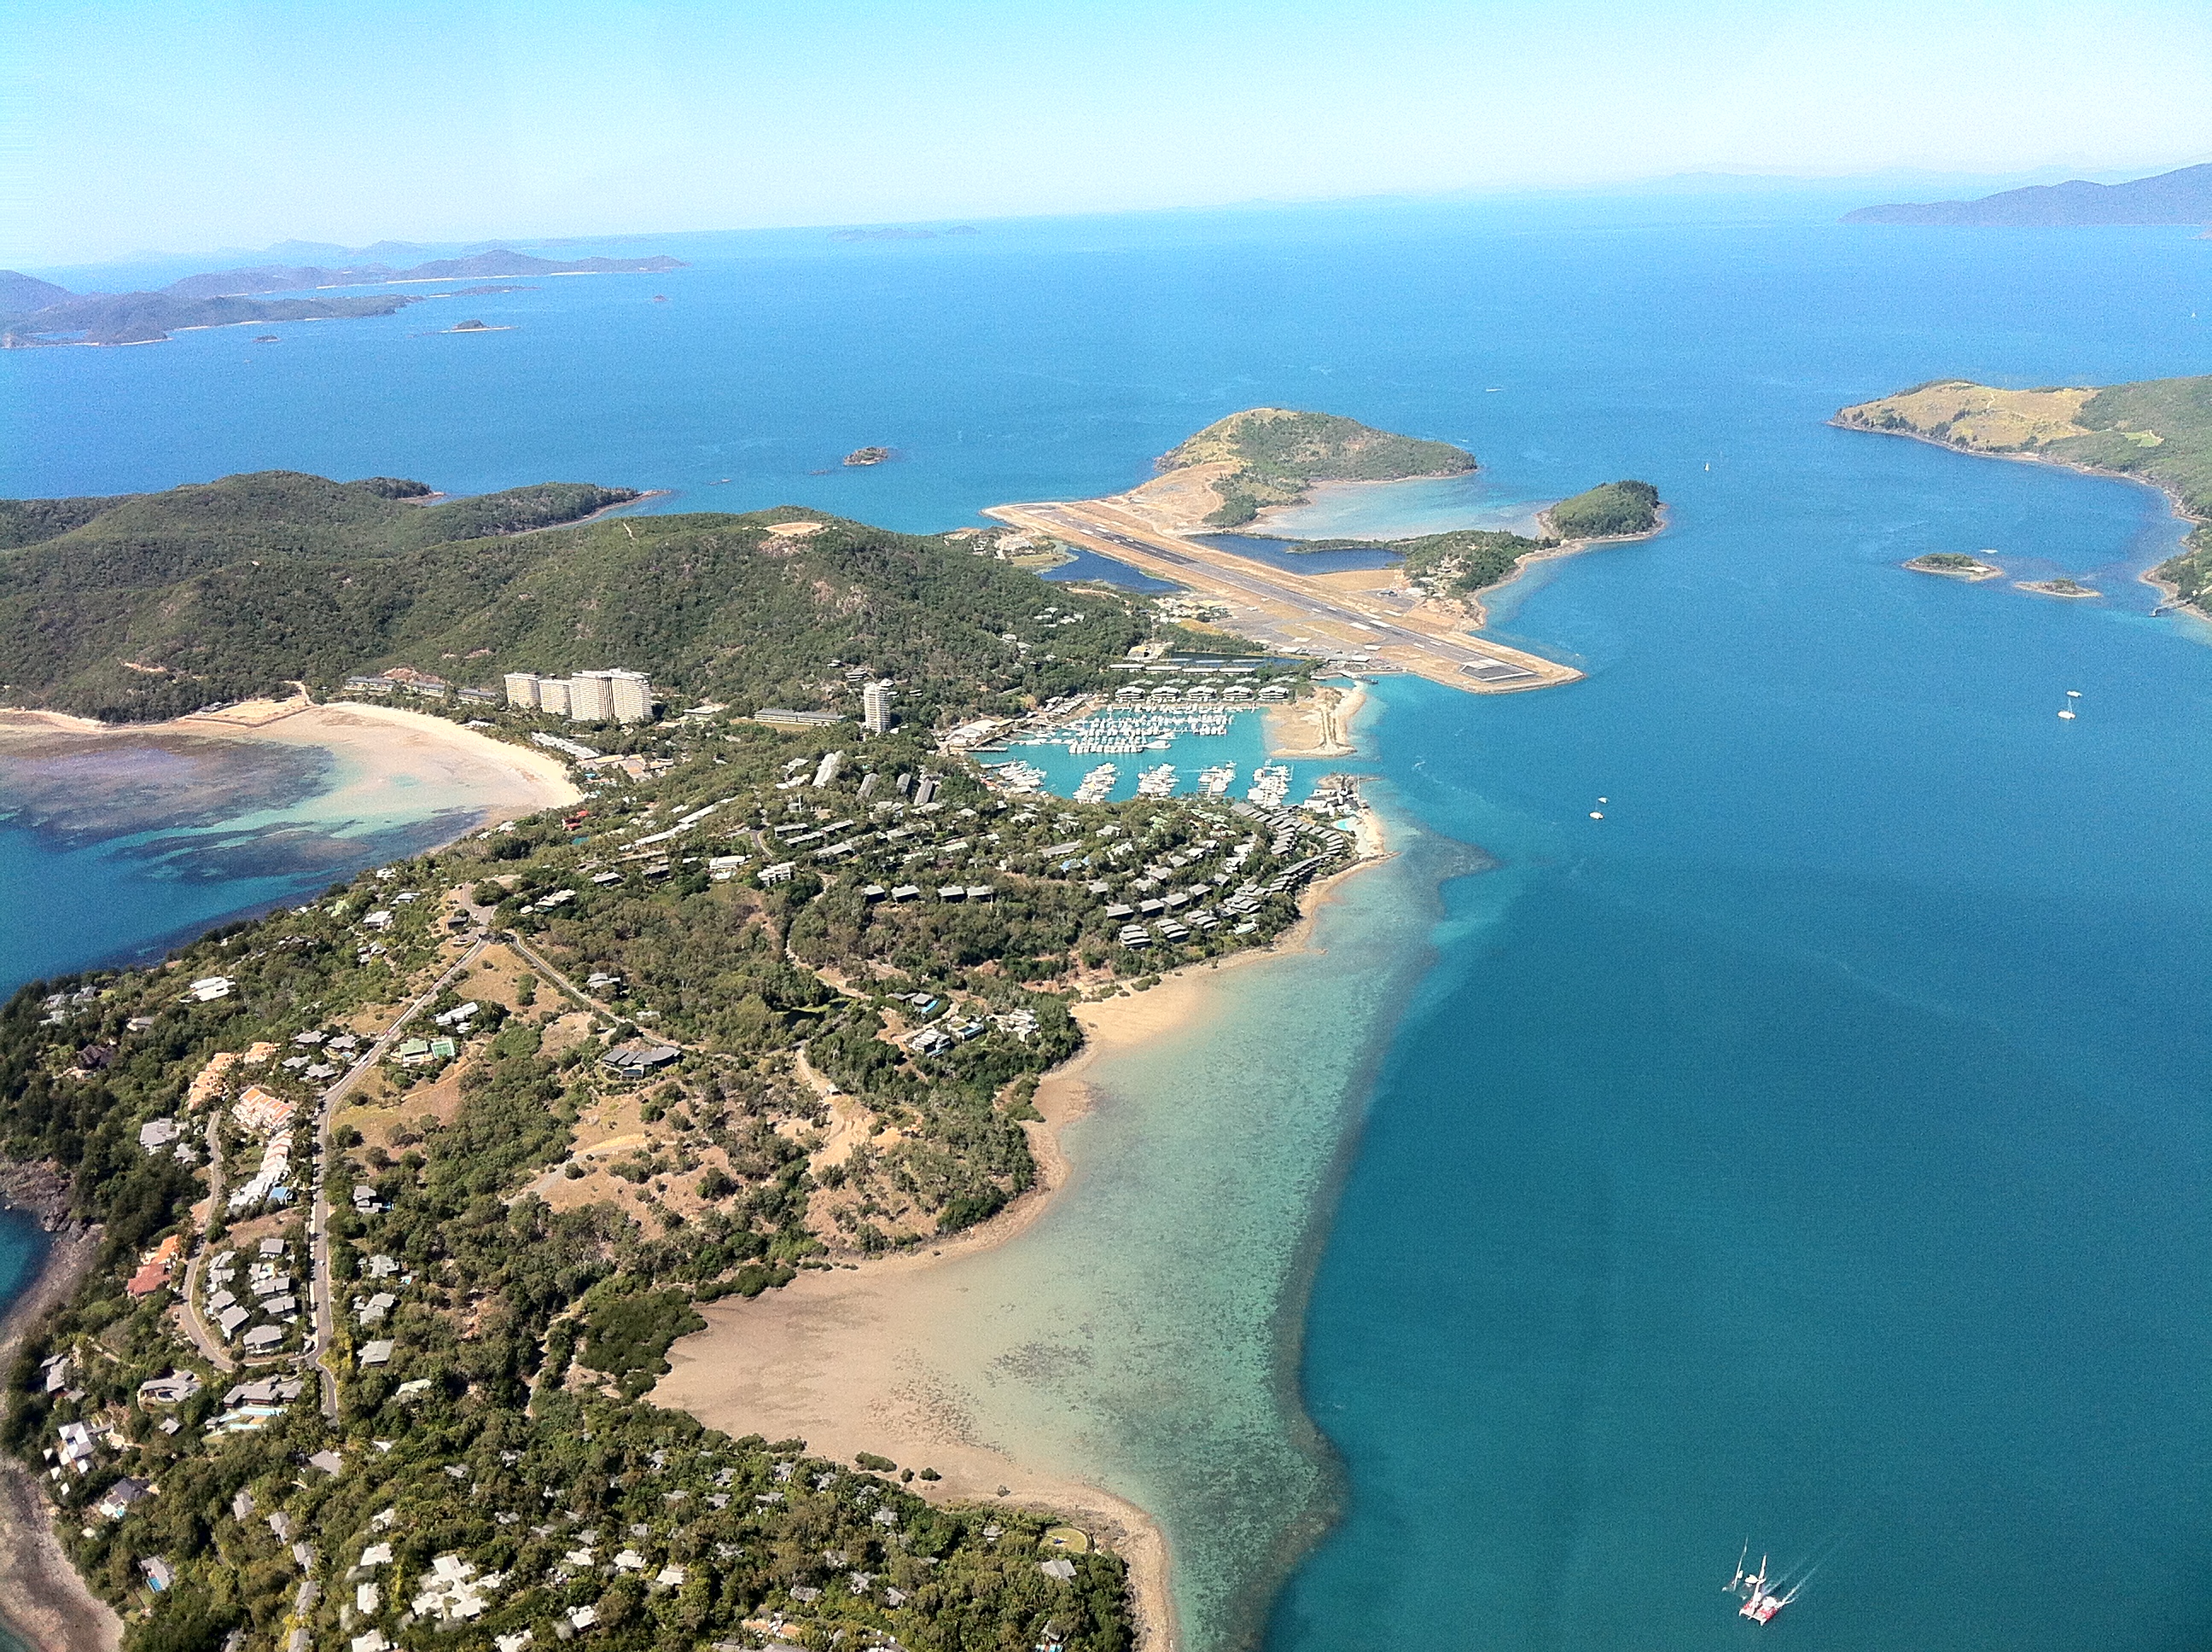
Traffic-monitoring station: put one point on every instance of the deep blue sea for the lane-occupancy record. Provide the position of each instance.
(1813, 1150)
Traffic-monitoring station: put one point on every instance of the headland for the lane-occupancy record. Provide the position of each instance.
(2154, 431)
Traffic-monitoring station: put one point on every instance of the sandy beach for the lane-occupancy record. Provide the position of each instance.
(1318, 727)
(389, 758)
(843, 1359)
(388, 747)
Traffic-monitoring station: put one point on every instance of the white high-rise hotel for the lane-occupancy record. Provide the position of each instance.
(587, 697)
(876, 709)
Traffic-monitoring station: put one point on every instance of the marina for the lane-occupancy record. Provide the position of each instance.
(1208, 748)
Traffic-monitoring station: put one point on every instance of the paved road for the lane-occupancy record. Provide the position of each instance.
(319, 1223)
(204, 1338)
(1488, 668)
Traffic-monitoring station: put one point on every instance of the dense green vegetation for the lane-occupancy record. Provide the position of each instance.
(539, 1226)
(1605, 512)
(1279, 453)
(2189, 573)
(151, 605)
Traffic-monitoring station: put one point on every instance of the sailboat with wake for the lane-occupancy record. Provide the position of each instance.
(1761, 1604)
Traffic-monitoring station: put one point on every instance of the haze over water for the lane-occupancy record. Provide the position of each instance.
(1813, 1148)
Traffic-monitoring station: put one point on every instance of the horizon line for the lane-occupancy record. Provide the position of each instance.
(1598, 187)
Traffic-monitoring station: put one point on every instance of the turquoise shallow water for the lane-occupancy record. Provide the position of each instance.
(1812, 1149)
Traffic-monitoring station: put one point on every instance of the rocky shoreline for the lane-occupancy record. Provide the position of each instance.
(43, 1601)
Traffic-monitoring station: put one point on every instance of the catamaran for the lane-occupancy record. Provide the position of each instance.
(1760, 1603)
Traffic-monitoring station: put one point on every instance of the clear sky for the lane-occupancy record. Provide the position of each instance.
(134, 125)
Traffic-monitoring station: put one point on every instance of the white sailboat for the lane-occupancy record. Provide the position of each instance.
(1760, 1602)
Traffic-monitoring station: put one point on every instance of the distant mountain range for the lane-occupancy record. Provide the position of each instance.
(34, 312)
(2172, 198)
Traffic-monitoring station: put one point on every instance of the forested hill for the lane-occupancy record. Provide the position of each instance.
(147, 606)
(1272, 455)
(2159, 430)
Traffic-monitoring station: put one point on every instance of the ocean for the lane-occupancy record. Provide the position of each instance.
(1811, 1151)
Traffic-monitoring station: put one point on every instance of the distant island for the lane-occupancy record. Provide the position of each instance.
(150, 318)
(2056, 588)
(1954, 565)
(1268, 456)
(2172, 198)
(900, 233)
(2155, 430)
(478, 266)
(860, 456)
(37, 312)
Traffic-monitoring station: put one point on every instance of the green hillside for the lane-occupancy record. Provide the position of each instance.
(1279, 453)
(146, 607)
(2159, 430)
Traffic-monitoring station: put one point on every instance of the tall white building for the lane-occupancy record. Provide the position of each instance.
(591, 698)
(876, 708)
(610, 697)
(632, 693)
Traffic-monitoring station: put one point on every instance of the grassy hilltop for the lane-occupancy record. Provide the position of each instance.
(1271, 456)
(150, 606)
(2159, 430)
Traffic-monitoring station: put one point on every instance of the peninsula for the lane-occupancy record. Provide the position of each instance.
(2157, 431)
(1412, 618)
(403, 1195)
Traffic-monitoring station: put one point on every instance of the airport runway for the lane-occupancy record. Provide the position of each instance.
(1284, 609)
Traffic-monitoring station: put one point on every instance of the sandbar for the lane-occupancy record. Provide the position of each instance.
(1319, 726)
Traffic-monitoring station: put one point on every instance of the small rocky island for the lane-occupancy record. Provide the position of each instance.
(2056, 588)
(860, 456)
(1954, 565)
